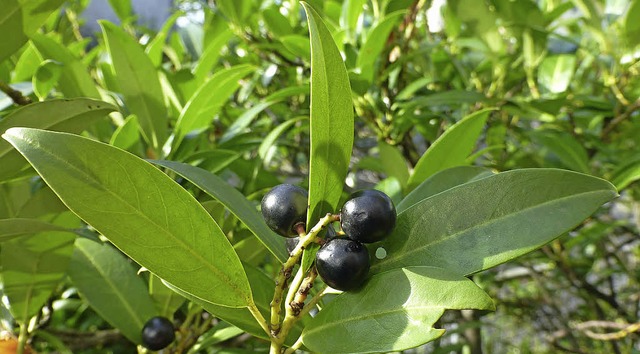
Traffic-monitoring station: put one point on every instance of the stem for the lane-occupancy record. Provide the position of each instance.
(258, 316)
(295, 346)
(22, 338)
(15, 95)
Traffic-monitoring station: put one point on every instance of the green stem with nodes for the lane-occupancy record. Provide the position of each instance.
(305, 310)
(22, 337)
(278, 331)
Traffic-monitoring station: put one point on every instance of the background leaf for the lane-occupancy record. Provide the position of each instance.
(159, 224)
(394, 311)
(106, 279)
(331, 121)
(138, 82)
(481, 224)
(16, 227)
(451, 148)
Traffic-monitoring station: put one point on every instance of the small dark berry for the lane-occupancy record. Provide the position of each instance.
(342, 263)
(292, 243)
(368, 216)
(283, 207)
(158, 333)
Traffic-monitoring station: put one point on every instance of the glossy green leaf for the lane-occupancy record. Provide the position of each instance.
(46, 77)
(233, 200)
(109, 283)
(331, 121)
(159, 224)
(127, 136)
(26, 65)
(441, 181)
(155, 48)
(566, 148)
(16, 227)
(20, 20)
(166, 300)
(632, 25)
(74, 80)
(375, 43)
(210, 56)
(394, 311)
(32, 266)
(71, 115)
(351, 11)
(451, 148)
(556, 71)
(480, 224)
(198, 113)
(138, 82)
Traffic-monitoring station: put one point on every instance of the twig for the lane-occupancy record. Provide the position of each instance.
(15, 95)
(625, 329)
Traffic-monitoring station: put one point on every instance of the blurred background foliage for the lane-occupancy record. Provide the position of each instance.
(563, 74)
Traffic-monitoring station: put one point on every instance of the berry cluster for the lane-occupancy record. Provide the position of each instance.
(342, 262)
(158, 333)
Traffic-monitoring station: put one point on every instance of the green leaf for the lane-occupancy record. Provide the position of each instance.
(159, 224)
(20, 20)
(46, 78)
(276, 22)
(210, 56)
(375, 43)
(351, 10)
(451, 148)
(32, 266)
(155, 47)
(122, 8)
(126, 136)
(236, 11)
(446, 98)
(167, 301)
(481, 224)
(108, 282)
(71, 115)
(26, 65)
(16, 227)
(556, 72)
(394, 311)
(570, 151)
(233, 200)
(297, 45)
(74, 80)
(393, 163)
(208, 100)
(138, 82)
(441, 181)
(632, 25)
(273, 135)
(626, 174)
(331, 121)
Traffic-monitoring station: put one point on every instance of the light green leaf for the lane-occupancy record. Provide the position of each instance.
(26, 65)
(139, 83)
(276, 22)
(108, 282)
(375, 43)
(331, 121)
(210, 56)
(46, 78)
(451, 148)
(446, 98)
(441, 181)
(155, 47)
(393, 163)
(273, 135)
(127, 136)
(122, 8)
(556, 72)
(632, 25)
(16, 227)
(208, 100)
(394, 311)
(481, 224)
(233, 200)
(626, 174)
(20, 20)
(159, 224)
(167, 301)
(351, 10)
(74, 80)
(297, 45)
(31, 267)
(71, 115)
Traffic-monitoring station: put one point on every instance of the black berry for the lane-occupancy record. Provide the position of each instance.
(368, 216)
(158, 333)
(293, 242)
(283, 207)
(342, 263)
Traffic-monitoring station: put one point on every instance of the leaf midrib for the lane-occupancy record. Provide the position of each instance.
(403, 253)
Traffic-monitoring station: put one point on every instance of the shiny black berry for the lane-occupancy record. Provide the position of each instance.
(158, 333)
(343, 263)
(368, 216)
(283, 207)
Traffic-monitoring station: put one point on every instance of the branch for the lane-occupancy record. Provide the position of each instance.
(625, 329)
(15, 95)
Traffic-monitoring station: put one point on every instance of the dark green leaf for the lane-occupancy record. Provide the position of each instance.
(565, 147)
(106, 279)
(46, 78)
(331, 121)
(167, 301)
(141, 210)
(394, 311)
(234, 201)
(481, 224)
(16, 227)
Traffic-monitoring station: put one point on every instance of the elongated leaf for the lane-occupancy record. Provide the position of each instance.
(141, 210)
(441, 181)
(331, 121)
(481, 224)
(565, 147)
(556, 71)
(46, 78)
(207, 101)
(394, 311)
(63, 115)
(166, 300)
(16, 227)
(233, 200)
(210, 56)
(453, 97)
(626, 174)
(451, 148)
(139, 83)
(273, 135)
(375, 42)
(632, 25)
(32, 266)
(74, 80)
(20, 20)
(393, 163)
(106, 279)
